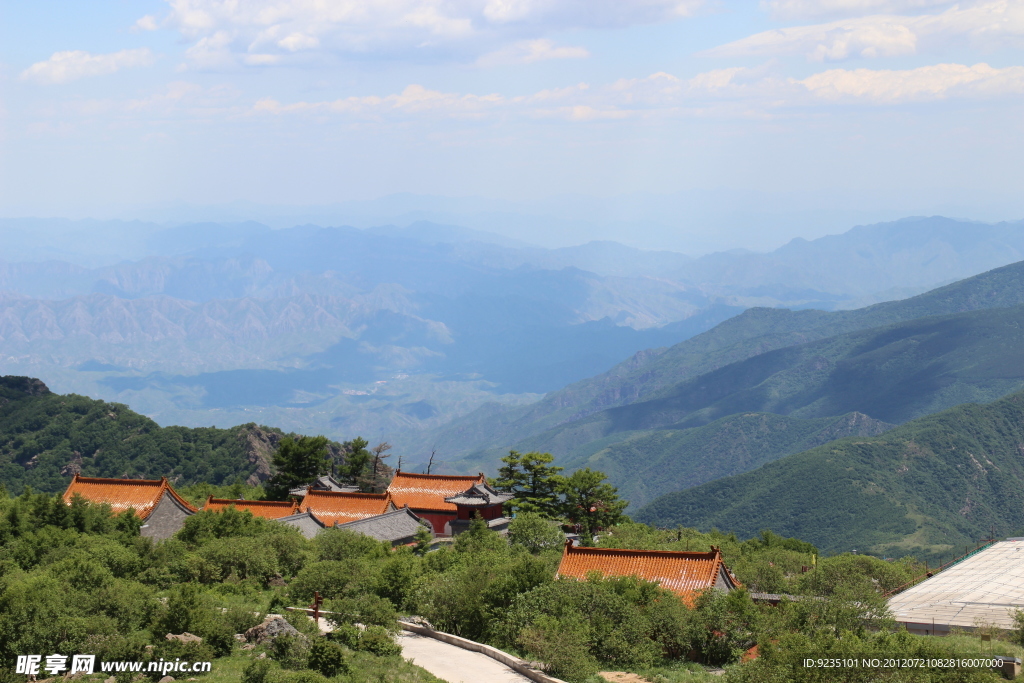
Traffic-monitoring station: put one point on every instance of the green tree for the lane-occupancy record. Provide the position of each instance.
(590, 502)
(355, 459)
(533, 480)
(298, 462)
(535, 533)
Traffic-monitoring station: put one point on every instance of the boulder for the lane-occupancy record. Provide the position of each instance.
(270, 629)
(184, 637)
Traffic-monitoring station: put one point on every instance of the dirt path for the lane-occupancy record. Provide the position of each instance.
(453, 664)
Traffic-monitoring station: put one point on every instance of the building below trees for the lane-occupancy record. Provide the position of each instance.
(154, 501)
(685, 573)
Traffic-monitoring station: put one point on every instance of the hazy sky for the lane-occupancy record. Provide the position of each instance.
(128, 102)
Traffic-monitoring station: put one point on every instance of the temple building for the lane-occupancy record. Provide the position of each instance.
(479, 499)
(397, 527)
(684, 573)
(324, 482)
(426, 494)
(339, 507)
(268, 509)
(155, 502)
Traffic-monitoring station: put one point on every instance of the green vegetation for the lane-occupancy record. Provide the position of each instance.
(298, 461)
(533, 480)
(928, 488)
(485, 435)
(651, 463)
(45, 438)
(76, 579)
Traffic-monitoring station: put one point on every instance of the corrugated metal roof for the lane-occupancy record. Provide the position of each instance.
(683, 573)
(120, 494)
(335, 506)
(428, 491)
(985, 587)
(268, 509)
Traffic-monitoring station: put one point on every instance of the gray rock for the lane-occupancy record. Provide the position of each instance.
(270, 629)
(184, 637)
(166, 679)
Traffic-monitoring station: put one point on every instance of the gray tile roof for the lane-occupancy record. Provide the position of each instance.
(324, 482)
(305, 522)
(398, 525)
(480, 495)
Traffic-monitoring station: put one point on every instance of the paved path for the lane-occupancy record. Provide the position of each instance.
(453, 664)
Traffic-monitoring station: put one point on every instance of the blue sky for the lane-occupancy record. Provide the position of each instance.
(902, 105)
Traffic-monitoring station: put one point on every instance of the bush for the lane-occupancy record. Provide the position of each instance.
(367, 609)
(378, 641)
(331, 578)
(291, 652)
(245, 558)
(257, 671)
(327, 657)
(342, 544)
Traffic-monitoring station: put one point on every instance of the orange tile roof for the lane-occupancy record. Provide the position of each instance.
(269, 509)
(121, 494)
(338, 506)
(428, 491)
(683, 573)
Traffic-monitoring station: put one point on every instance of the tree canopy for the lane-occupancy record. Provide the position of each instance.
(298, 462)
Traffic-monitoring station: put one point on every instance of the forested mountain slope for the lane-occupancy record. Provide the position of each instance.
(755, 332)
(46, 438)
(647, 464)
(927, 487)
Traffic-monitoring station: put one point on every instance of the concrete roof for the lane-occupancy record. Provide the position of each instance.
(984, 588)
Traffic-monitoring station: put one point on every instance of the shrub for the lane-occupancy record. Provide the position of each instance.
(376, 640)
(257, 671)
(291, 652)
(342, 544)
(327, 657)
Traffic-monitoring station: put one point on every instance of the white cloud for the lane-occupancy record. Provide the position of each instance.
(465, 29)
(146, 23)
(928, 83)
(528, 51)
(71, 65)
(821, 9)
(982, 24)
(738, 91)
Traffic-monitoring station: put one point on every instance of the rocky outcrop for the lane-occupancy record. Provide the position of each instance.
(271, 628)
(259, 445)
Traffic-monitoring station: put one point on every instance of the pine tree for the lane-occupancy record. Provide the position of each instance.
(298, 462)
(534, 481)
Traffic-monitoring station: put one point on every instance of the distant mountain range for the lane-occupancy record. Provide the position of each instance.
(763, 360)
(398, 331)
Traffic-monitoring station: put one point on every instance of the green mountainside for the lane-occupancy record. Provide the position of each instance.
(648, 464)
(492, 429)
(45, 438)
(928, 488)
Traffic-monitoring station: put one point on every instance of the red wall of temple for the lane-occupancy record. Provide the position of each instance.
(492, 512)
(436, 519)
